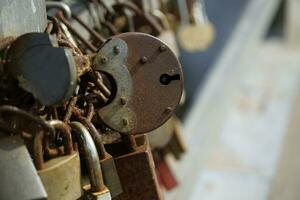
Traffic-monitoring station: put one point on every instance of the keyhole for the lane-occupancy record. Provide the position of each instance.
(166, 79)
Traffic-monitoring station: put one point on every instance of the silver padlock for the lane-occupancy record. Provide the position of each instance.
(19, 178)
(95, 190)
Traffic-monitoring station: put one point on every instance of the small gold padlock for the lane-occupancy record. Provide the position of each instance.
(61, 176)
(199, 35)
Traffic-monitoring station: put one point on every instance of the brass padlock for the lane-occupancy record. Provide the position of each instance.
(95, 190)
(61, 176)
(199, 35)
(110, 173)
(136, 169)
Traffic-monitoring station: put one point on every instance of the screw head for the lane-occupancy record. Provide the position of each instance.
(162, 48)
(144, 59)
(125, 121)
(117, 49)
(123, 101)
(103, 59)
(168, 110)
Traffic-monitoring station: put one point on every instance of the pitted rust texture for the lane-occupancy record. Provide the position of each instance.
(137, 174)
(118, 114)
(157, 80)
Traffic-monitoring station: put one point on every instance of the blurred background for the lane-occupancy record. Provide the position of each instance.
(242, 110)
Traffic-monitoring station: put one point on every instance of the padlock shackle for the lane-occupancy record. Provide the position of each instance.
(65, 8)
(40, 140)
(96, 137)
(85, 140)
(76, 33)
(163, 18)
(19, 112)
(89, 29)
(65, 134)
(135, 9)
(38, 150)
(130, 142)
(113, 30)
(131, 6)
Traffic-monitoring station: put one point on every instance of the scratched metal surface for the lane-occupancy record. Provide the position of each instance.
(18, 17)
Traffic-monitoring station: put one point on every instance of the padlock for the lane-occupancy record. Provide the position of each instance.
(35, 60)
(136, 169)
(166, 177)
(143, 21)
(161, 136)
(61, 176)
(96, 190)
(52, 6)
(148, 81)
(166, 35)
(19, 178)
(109, 171)
(199, 35)
(176, 145)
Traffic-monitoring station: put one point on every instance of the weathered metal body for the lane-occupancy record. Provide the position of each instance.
(35, 60)
(19, 17)
(117, 115)
(157, 80)
(61, 175)
(19, 178)
(136, 171)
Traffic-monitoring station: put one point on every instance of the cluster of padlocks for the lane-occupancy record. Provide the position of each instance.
(87, 106)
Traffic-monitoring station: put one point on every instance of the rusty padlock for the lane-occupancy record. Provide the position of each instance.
(136, 169)
(35, 60)
(148, 82)
(109, 171)
(61, 176)
(166, 177)
(95, 190)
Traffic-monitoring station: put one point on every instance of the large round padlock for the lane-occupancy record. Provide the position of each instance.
(148, 81)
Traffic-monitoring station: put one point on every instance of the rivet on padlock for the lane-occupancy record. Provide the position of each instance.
(109, 171)
(157, 80)
(96, 190)
(61, 176)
